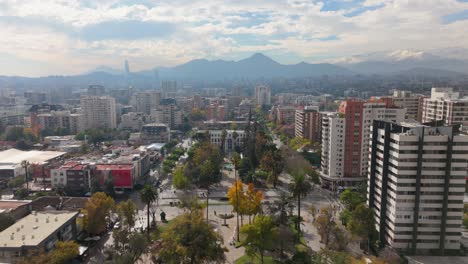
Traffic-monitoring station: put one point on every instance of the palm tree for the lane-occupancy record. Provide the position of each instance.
(25, 165)
(148, 195)
(299, 187)
(223, 140)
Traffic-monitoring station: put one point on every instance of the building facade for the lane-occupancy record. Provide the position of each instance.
(38, 231)
(232, 139)
(145, 101)
(61, 120)
(308, 124)
(98, 112)
(167, 113)
(411, 102)
(358, 116)
(155, 133)
(416, 185)
(445, 104)
(263, 95)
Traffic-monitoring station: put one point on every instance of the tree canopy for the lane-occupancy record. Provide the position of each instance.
(260, 236)
(96, 210)
(188, 238)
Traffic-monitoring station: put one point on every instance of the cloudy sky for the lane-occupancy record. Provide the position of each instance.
(44, 37)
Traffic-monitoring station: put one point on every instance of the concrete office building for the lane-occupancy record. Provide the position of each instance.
(416, 185)
(98, 112)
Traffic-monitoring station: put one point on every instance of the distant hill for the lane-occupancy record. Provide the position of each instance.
(256, 66)
(394, 62)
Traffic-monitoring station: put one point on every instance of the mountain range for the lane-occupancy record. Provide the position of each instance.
(445, 63)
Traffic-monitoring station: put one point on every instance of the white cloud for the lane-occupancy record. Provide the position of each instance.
(219, 29)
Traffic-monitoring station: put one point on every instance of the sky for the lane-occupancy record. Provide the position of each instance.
(62, 37)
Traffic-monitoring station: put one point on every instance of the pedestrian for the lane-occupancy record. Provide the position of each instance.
(214, 212)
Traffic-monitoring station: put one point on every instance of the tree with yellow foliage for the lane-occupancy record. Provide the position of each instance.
(96, 210)
(253, 201)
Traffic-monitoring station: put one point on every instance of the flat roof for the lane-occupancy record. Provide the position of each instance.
(438, 259)
(114, 166)
(9, 205)
(16, 156)
(34, 228)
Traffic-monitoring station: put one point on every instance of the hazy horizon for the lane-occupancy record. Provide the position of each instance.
(40, 38)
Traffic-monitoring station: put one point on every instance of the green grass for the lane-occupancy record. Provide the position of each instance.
(255, 260)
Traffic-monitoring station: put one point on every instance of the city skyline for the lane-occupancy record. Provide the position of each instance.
(53, 38)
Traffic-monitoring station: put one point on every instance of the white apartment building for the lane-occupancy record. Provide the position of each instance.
(61, 119)
(447, 105)
(234, 139)
(98, 112)
(168, 89)
(333, 143)
(145, 101)
(263, 95)
(416, 185)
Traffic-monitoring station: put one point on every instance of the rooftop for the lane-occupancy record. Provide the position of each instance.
(7, 205)
(16, 156)
(34, 228)
(114, 166)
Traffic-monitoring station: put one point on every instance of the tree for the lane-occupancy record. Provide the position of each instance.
(223, 139)
(253, 201)
(6, 220)
(260, 236)
(299, 188)
(272, 163)
(96, 210)
(362, 222)
(235, 159)
(109, 186)
(179, 180)
(148, 195)
(25, 165)
(95, 185)
(351, 199)
(128, 246)
(208, 176)
(236, 197)
(64, 252)
(190, 239)
(325, 223)
(127, 212)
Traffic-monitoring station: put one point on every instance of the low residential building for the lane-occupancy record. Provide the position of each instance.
(73, 175)
(416, 185)
(37, 231)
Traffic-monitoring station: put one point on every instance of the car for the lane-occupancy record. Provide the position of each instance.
(117, 225)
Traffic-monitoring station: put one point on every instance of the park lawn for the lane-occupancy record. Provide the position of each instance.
(255, 260)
